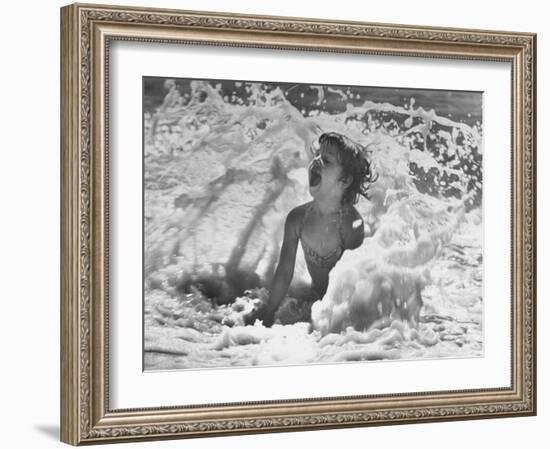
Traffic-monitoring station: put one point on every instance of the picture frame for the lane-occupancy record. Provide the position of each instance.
(88, 33)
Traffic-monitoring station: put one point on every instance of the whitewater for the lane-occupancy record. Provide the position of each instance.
(221, 172)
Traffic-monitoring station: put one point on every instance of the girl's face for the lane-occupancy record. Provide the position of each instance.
(325, 173)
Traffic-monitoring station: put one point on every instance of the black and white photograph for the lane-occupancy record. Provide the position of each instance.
(291, 224)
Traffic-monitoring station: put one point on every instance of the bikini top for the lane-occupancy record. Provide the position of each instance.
(312, 257)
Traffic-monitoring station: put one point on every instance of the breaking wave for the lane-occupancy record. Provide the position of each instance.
(222, 170)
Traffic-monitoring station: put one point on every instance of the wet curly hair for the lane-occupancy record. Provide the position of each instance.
(353, 158)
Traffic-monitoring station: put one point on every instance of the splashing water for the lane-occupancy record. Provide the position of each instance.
(222, 171)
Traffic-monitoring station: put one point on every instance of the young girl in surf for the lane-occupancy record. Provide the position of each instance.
(326, 226)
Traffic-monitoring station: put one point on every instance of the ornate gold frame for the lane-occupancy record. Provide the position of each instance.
(86, 31)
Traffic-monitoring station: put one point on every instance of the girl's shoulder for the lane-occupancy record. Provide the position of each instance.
(295, 217)
(353, 228)
(350, 214)
(300, 211)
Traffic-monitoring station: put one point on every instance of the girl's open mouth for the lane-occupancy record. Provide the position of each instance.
(314, 177)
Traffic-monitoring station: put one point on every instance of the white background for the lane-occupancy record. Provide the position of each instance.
(29, 237)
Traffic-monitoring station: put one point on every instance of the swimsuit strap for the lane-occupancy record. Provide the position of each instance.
(341, 227)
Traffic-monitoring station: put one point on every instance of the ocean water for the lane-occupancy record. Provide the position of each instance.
(223, 165)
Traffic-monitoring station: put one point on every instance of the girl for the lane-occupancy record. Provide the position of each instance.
(327, 226)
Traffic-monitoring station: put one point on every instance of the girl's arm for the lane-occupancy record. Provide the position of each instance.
(285, 267)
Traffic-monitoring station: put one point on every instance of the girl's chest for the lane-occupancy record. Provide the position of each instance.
(322, 236)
